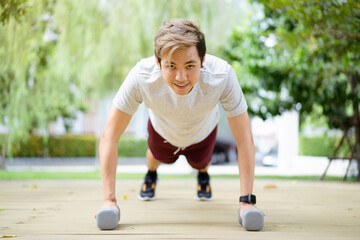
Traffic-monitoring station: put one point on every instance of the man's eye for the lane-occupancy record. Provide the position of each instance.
(190, 66)
(171, 66)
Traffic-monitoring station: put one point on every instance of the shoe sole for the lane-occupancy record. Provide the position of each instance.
(203, 199)
(147, 198)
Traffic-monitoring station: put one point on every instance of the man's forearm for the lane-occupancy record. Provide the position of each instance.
(246, 163)
(108, 165)
(241, 130)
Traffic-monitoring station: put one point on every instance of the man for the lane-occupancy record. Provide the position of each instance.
(181, 86)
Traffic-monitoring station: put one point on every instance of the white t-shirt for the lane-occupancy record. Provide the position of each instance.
(182, 119)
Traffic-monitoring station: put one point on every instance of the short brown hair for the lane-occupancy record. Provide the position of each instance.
(176, 34)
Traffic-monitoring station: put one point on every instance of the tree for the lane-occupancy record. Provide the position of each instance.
(31, 96)
(304, 55)
(15, 8)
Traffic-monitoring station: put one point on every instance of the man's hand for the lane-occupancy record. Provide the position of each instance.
(109, 204)
(245, 206)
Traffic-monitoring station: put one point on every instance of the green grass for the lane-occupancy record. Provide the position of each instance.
(29, 175)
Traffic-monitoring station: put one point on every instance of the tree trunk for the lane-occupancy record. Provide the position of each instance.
(356, 119)
(3, 155)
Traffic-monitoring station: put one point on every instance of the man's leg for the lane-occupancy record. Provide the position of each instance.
(147, 191)
(199, 157)
(152, 163)
(159, 151)
(204, 170)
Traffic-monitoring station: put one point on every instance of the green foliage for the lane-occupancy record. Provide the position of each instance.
(62, 146)
(15, 8)
(302, 55)
(73, 146)
(131, 147)
(321, 146)
(33, 148)
(32, 95)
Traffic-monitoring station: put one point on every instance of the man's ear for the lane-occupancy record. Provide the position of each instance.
(157, 61)
(203, 60)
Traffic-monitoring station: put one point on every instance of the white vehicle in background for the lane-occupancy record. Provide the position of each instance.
(270, 159)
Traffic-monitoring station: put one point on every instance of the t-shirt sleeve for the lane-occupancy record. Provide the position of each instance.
(128, 97)
(232, 98)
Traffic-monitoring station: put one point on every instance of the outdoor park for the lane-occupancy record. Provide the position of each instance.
(62, 63)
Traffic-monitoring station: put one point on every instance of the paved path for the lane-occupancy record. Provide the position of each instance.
(63, 209)
(301, 166)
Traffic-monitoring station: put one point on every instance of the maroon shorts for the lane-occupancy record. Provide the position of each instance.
(198, 155)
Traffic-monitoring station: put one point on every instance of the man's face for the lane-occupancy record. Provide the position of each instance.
(182, 71)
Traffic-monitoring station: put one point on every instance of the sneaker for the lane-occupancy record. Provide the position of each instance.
(204, 189)
(147, 191)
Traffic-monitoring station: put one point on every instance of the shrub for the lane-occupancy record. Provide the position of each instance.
(73, 146)
(131, 147)
(34, 147)
(321, 146)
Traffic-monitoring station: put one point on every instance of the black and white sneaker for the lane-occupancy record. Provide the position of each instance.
(147, 192)
(203, 189)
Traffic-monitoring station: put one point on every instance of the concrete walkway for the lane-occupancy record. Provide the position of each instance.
(64, 209)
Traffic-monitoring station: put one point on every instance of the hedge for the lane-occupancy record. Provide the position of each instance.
(321, 146)
(73, 146)
(132, 147)
(85, 146)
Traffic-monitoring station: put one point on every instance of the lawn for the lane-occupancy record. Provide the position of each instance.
(28, 175)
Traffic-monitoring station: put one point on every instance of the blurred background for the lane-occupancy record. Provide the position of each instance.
(61, 63)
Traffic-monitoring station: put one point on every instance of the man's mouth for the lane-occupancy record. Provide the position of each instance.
(181, 84)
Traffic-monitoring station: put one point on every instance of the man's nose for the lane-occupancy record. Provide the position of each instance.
(181, 75)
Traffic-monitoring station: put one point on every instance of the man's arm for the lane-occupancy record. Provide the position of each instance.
(241, 130)
(115, 126)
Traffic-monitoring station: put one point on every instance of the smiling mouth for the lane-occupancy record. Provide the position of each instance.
(181, 85)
